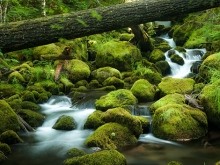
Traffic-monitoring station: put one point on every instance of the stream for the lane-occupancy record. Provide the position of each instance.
(48, 146)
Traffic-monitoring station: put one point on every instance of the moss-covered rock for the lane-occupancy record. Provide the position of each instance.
(164, 67)
(50, 86)
(177, 59)
(77, 70)
(111, 136)
(30, 105)
(118, 83)
(143, 90)
(209, 69)
(157, 55)
(123, 117)
(94, 84)
(34, 119)
(171, 85)
(174, 98)
(65, 123)
(104, 157)
(5, 148)
(145, 123)
(210, 100)
(94, 120)
(16, 77)
(10, 137)
(179, 122)
(126, 36)
(75, 152)
(120, 55)
(81, 83)
(2, 157)
(174, 163)
(8, 118)
(118, 98)
(28, 96)
(8, 90)
(103, 73)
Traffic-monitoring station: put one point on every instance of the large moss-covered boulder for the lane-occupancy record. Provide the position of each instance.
(164, 67)
(8, 118)
(118, 83)
(117, 54)
(123, 117)
(111, 136)
(174, 98)
(171, 85)
(65, 123)
(209, 69)
(77, 70)
(118, 98)
(10, 137)
(34, 119)
(210, 97)
(101, 74)
(104, 157)
(179, 122)
(143, 90)
(156, 55)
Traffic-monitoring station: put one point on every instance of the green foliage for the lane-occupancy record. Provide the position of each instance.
(83, 23)
(96, 15)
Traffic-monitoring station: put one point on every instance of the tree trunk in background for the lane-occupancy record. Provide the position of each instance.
(35, 32)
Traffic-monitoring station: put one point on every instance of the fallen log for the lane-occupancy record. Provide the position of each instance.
(41, 31)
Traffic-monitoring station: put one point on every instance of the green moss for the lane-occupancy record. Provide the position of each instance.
(65, 123)
(111, 136)
(156, 55)
(30, 105)
(34, 119)
(102, 74)
(120, 97)
(5, 148)
(75, 152)
(171, 85)
(49, 86)
(143, 90)
(16, 77)
(104, 157)
(177, 59)
(15, 104)
(174, 98)
(164, 67)
(94, 84)
(126, 37)
(94, 120)
(118, 83)
(77, 70)
(8, 117)
(210, 99)
(2, 157)
(145, 123)
(209, 69)
(7, 90)
(10, 137)
(28, 96)
(120, 55)
(179, 122)
(174, 163)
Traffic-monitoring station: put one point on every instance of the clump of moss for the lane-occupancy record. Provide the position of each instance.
(177, 59)
(30, 105)
(156, 55)
(94, 120)
(174, 163)
(10, 137)
(75, 152)
(8, 90)
(16, 77)
(120, 97)
(118, 83)
(65, 123)
(171, 85)
(143, 90)
(104, 157)
(111, 136)
(8, 118)
(179, 122)
(5, 148)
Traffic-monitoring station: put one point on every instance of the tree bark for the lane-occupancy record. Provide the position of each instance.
(35, 32)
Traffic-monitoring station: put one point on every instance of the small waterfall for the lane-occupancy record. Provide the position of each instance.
(189, 57)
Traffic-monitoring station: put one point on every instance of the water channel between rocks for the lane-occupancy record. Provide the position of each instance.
(48, 146)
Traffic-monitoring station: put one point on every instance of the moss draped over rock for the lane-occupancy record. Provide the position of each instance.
(118, 98)
(143, 90)
(77, 70)
(65, 123)
(104, 157)
(179, 122)
(171, 85)
(8, 118)
(117, 54)
(174, 98)
(111, 136)
(157, 55)
(210, 99)
(94, 120)
(10, 137)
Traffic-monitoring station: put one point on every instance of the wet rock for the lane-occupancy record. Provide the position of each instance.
(65, 123)
(75, 152)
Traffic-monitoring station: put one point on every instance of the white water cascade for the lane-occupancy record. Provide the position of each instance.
(189, 56)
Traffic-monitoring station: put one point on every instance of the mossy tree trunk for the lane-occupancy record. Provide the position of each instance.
(30, 33)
